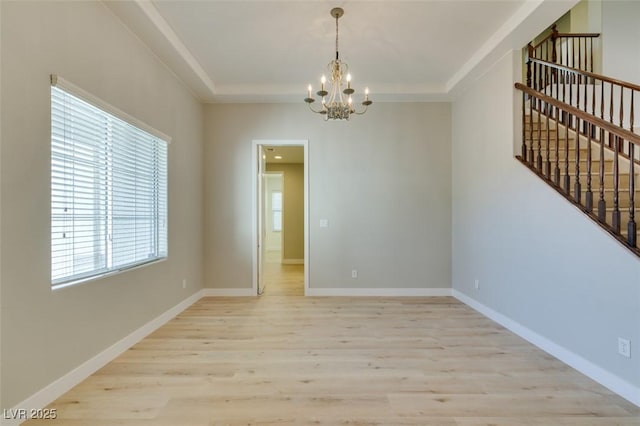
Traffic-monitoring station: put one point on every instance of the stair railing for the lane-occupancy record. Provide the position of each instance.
(613, 100)
(574, 50)
(562, 162)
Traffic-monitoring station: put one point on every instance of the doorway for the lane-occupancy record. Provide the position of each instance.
(280, 170)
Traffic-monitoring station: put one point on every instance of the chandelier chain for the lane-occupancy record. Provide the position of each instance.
(337, 17)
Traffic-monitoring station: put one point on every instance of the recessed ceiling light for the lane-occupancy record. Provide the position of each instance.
(278, 157)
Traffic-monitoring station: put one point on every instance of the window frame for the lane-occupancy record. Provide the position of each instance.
(162, 252)
(274, 211)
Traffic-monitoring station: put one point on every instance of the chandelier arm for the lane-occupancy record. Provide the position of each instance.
(313, 110)
(361, 112)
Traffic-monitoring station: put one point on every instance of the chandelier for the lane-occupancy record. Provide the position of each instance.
(337, 102)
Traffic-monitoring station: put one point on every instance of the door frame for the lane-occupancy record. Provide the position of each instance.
(256, 145)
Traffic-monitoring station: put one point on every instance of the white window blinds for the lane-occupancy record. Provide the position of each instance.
(108, 191)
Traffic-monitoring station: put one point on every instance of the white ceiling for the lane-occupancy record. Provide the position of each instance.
(266, 51)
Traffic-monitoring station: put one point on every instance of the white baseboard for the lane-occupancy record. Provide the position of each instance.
(386, 292)
(293, 261)
(228, 292)
(54, 390)
(614, 383)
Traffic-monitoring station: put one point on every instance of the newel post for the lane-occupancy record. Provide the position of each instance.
(529, 55)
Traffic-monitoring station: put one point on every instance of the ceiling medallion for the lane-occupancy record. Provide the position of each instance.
(337, 102)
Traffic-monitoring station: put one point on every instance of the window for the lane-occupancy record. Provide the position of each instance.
(276, 211)
(108, 189)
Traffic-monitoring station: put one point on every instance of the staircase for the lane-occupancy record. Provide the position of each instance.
(578, 136)
(571, 164)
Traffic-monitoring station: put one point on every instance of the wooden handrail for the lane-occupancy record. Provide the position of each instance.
(603, 124)
(569, 35)
(601, 77)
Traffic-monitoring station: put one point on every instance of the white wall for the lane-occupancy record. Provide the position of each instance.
(382, 180)
(45, 334)
(540, 261)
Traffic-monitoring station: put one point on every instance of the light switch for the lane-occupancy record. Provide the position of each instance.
(324, 223)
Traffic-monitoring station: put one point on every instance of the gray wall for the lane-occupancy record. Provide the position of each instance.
(382, 180)
(46, 334)
(539, 260)
(620, 40)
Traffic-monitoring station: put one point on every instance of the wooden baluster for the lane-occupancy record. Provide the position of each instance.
(615, 216)
(556, 174)
(588, 202)
(621, 106)
(567, 178)
(529, 55)
(591, 56)
(591, 134)
(530, 156)
(562, 74)
(577, 76)
(593, 106)
(524, 127)
(539, 157)
(631, 113)
(631, 226)
(556, 78)
(571, 76)
(570, 117)
(548, 159)
(577, 188)
(602, 204)
(535, 76)
(583, 82)
(574, 54)
(554, 37)
(611, 114)
(546, 79)
(540, 86)
(621, 147)
(602, 100)
(611, 104)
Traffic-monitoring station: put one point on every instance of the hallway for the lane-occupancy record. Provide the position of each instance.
(282, 280)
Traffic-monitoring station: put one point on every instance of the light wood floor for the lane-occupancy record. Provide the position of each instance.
(282, 280)
(295, 360)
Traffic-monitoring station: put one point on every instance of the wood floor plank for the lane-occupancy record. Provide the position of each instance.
(283, 359)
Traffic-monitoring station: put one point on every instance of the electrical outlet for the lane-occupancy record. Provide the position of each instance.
(184, 283)
(354, 273)
(477, 284)
(624, 347)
